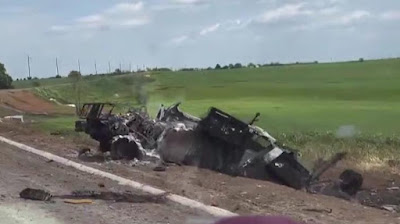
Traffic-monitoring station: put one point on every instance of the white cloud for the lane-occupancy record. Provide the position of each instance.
(119, 15)
(59, 29)
(353, 17)
(187, 1)
(210, 29)
(90, 19)
(134, 22)
(333, 20)
(180, 4)
(391, 15)
(328, 11)
(285, 12)
(180, 39)
(236, 24)
(125, 8)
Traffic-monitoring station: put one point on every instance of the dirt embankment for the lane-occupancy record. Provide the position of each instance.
(25, 101)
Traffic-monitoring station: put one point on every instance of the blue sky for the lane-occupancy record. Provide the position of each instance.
(185, 33)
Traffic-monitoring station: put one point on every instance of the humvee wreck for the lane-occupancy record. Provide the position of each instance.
(218, 142)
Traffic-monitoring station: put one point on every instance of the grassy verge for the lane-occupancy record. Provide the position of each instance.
(318, 108)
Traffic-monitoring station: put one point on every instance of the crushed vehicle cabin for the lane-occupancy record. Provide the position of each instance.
(218, 142)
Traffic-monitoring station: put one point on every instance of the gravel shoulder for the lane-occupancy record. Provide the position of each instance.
(19, 169)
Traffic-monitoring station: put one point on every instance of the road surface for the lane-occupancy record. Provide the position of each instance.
(19, 169)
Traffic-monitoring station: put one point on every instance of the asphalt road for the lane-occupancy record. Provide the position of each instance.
(19, 169)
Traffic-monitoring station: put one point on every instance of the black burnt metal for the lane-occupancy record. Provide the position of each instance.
(218, 142)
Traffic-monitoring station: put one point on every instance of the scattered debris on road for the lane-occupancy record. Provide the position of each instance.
(116, 196)
(78, 201)
(15, 117)
(55, 133)
(159, 168)
(390, 208)
(84, 196)
(83, 151)
(35, 194)
(328, 211)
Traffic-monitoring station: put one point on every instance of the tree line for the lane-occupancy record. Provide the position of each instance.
(6, 80)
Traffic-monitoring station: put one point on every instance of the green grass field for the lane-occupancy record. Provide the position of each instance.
(304, 105)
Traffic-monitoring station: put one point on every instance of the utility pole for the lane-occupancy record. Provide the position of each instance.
(79, 66)
(120, 67)
(29, 67)
(95, 66)
(58, 73)
(109, 67)
(130, 67)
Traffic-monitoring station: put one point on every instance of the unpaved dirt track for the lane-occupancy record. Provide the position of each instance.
(19, 169)
(25, 101)
(240, 195)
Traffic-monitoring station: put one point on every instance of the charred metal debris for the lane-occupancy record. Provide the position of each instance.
(218, 142)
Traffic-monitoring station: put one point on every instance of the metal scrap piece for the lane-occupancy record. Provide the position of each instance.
(35, 194)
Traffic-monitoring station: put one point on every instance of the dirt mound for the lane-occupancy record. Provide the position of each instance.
(25, 101)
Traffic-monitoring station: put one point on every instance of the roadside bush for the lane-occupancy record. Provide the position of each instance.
(36, 84)
(74, 75)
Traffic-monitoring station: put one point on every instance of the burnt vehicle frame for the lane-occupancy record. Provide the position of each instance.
(218, 141)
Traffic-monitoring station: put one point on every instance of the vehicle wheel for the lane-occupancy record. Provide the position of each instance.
(124, 148)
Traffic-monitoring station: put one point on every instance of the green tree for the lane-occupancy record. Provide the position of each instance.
(218, 66)
(117, 71)
(251, 65)
(5, 79)
(230, 66)
(75, 75)
(237, 65)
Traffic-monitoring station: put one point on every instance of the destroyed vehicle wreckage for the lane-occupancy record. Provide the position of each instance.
(218, 141)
